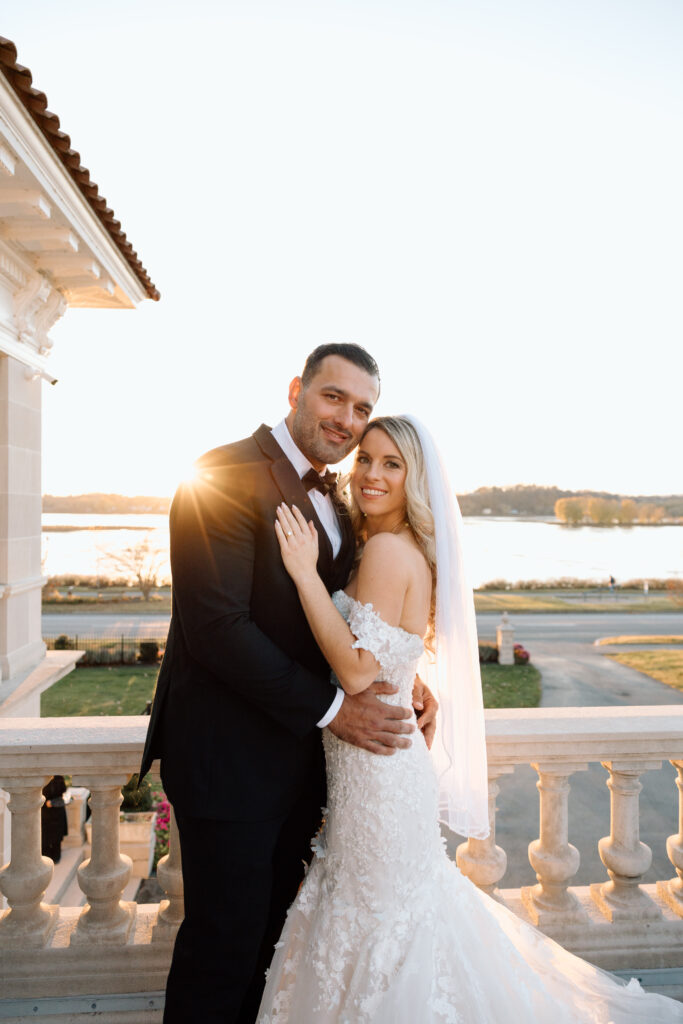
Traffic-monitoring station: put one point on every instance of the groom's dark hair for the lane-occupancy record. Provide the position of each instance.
(354, 353)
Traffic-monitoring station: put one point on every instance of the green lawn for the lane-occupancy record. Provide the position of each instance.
(124, 690)
(511, 686)
(100, 690)
(665, 666)
(539, 601)
(647, 639)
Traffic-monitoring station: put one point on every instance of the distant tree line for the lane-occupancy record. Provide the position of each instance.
(607, 511)
(530, 500)
(522, 499)
(103, 503)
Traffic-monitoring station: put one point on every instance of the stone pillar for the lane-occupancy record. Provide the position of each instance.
(481, 860)
(170, 875)
(29, 922)
(622, 853)
(103, 877)
(552, 857)
(75, 816)
(505, 638)
(21, 644)
(672, 891)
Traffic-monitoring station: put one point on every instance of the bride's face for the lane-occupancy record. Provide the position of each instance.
(378, 478)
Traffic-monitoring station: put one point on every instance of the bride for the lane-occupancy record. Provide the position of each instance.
(385, 929)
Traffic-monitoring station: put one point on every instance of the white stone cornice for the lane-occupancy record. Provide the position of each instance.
(27, 355)
(8, 161)
(21, 135)
(11, 270)
(37, 307)
(24, 202)
(46, 317)
(40, 237)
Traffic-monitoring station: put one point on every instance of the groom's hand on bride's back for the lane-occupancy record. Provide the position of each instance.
(367, 722)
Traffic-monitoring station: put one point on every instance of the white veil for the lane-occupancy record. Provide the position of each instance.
(459, 749)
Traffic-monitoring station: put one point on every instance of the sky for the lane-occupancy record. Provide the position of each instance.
(485, 194)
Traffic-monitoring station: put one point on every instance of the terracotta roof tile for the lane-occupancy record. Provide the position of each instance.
(35, 102)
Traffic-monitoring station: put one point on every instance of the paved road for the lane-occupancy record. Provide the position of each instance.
(562, 627)
(94, 624)
(575, 674)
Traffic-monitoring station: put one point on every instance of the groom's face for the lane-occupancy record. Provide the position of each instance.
(329, 415)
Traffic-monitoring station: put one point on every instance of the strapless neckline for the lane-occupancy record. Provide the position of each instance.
(370, 607)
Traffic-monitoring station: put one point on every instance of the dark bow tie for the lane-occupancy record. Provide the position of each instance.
(326, 484)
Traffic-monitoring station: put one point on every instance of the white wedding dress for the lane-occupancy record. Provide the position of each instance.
(386, 930)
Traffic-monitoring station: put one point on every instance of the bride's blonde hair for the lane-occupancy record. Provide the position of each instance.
(418, 512)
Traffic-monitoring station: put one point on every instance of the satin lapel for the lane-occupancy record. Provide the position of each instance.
(344, 520)
(294, 493)
(344, 560)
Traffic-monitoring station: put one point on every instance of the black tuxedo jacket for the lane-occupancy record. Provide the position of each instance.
(243, 683)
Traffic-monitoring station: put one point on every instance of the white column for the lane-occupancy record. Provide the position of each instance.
(481, 860)
(623, 854)
(21, 643)
(170, 875)
(103, 877)
(672, 891)
(552, 857)
(29, 922)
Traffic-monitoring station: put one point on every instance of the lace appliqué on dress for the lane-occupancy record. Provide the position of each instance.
(392, 646)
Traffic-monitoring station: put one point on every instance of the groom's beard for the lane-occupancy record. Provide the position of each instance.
(311, 439)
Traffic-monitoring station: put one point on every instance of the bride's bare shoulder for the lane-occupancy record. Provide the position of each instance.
(399, 551)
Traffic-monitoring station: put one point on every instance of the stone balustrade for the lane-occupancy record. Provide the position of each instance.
(618, 923)
(113, 946)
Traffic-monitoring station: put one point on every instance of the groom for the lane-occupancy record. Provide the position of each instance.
(244, 691)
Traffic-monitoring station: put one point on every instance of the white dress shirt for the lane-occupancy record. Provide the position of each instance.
(324, 508)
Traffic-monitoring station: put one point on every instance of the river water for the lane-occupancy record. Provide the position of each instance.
(496, 548)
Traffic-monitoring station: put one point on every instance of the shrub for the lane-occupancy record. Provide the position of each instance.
(149, 652)
(64, 643)
(96, 582)
(109, 652)
(488, 653)
(521, 655)
(137, 799)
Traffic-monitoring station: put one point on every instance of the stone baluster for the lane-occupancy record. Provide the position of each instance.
(481, 860)
(75, 816)
(552, 857)
(672, 891)
(105, 918)
(623, 854)
(170, 875)
(29, 922)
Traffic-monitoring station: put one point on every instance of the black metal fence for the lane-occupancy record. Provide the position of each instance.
(110, 648)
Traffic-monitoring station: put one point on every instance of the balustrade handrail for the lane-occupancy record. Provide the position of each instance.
(67, 746)
(526, 735)
(513, 736)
